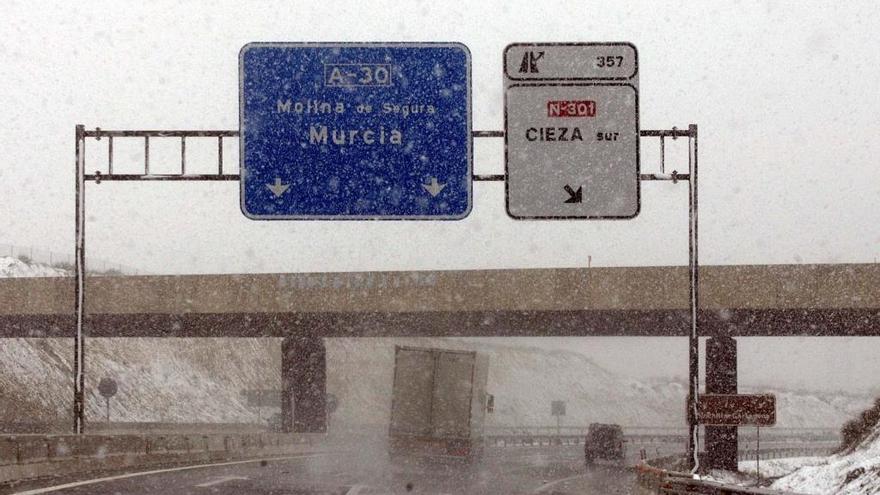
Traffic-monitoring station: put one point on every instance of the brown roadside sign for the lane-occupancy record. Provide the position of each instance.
(736, 409)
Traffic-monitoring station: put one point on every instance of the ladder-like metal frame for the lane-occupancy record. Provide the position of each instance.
(82, 177)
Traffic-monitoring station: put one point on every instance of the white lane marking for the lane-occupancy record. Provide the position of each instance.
(355, 489)
(75, 484)
(222, 479)
(556, 482)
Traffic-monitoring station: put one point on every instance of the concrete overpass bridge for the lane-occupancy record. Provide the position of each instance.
(742, 300)
(739, 300)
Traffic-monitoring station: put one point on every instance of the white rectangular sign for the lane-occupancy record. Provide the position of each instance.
(571, 122)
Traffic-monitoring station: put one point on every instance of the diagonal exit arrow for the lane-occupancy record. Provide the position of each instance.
(574, 196)
(278, 188)
(434, 187)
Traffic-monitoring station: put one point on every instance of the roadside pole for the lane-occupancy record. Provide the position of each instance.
(79, 274)
(758, 453)
(693, 338)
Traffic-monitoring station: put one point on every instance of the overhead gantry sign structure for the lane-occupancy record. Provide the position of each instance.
(421, 168)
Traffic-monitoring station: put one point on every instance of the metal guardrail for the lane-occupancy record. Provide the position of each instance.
(663, 476)
(806, 434)
(574, 435)
(805, 441)
(671, 482)
(682, 486)
(572, 440)
(38, 456)
(784, 452)
(533, 440)
(535, 430)
(24, 449)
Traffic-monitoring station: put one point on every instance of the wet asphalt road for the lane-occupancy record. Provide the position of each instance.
(502, 471)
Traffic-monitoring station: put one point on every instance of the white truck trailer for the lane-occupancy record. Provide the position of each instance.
(438, 403)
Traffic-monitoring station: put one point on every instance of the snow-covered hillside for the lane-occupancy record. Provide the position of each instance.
(200, 380)
(849, 473)
(14, 267)
(525, 380)
(186, 380)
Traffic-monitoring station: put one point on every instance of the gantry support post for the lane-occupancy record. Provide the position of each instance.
(303, 384)
(721, 441)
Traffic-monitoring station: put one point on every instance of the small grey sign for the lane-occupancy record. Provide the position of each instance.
(572, 131)
(262, 398)
(557, 408)
(108, 387)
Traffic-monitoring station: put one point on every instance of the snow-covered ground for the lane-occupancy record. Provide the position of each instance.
(14, 267)
(852, 472)
(771, 468)
(730, 478)
(774, 468)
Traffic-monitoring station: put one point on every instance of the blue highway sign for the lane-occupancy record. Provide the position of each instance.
(355, 131)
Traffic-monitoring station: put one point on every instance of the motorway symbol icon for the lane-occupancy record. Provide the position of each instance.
(572, 125)
(529, 62)
(355, 131)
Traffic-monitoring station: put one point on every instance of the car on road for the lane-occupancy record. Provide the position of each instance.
(604, 441)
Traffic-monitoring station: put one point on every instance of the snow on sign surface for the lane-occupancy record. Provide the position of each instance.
(355, 131)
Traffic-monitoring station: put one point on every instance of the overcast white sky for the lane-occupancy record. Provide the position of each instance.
(785, 95)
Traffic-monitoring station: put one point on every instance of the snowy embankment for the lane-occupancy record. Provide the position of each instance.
(774, 468)
(856, 471)
(15, 268)
(748, 475)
